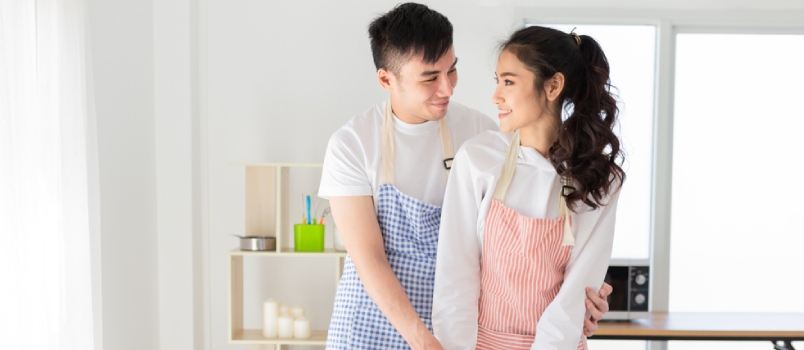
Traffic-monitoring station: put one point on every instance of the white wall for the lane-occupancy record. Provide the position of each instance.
(268, 81)
(145, 77)
(174, 36)
(122, 56)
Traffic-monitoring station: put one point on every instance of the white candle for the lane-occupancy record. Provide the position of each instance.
(301, 328)
(297, 311)
(285, 326)
(283, 309)
(270, 312)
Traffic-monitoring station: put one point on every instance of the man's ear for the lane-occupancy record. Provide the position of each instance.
(554, 86)
(385, 78)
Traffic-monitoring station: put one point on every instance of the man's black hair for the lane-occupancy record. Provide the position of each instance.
(410, 29)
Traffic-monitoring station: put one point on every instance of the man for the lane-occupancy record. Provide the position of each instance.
(385, 173)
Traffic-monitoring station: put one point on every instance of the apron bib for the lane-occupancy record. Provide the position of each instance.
(410, 235)
(521, 268)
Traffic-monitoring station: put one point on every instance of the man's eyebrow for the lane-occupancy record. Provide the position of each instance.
(434, 72)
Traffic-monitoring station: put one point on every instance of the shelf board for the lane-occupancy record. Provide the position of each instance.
(254, 336)
(289, 252)
(285, 165)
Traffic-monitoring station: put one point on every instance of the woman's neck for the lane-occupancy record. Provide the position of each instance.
(541, 134)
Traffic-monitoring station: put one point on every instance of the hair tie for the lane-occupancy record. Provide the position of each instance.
(575, 36)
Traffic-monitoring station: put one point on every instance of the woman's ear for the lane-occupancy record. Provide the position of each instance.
(554, 86)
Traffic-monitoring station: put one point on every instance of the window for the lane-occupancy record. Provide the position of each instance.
(736, 161)
(46, 173)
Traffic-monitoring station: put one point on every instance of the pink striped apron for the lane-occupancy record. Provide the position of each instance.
(522, 267)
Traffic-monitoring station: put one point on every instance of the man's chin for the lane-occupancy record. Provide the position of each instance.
(434, 118)
(437, 115)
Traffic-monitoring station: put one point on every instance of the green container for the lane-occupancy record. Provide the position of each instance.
(308, 238)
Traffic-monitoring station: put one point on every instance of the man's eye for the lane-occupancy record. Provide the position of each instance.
(452, 71)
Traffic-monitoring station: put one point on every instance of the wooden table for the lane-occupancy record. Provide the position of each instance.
(779, 328)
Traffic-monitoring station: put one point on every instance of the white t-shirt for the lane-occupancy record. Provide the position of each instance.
(353, 164)
(533, 192)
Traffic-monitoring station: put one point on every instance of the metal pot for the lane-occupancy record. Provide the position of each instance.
(257, 243)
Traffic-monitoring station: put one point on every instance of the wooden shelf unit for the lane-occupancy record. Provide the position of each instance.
(267, 214)
(254, 336)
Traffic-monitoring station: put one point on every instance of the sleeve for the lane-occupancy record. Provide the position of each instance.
(457, 277)
(488, 123)
(482, 122)
(344, 172)
(561, 324)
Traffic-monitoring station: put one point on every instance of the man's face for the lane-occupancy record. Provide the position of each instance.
(421, 91)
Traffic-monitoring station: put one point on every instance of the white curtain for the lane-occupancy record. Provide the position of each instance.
(46, 148)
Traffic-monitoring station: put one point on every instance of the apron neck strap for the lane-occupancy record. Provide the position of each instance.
(507, 174)
(388, 144)
(569, 239)
(509, 166)
(567, 188)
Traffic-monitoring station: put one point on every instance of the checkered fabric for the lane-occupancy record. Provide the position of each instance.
(410, 234)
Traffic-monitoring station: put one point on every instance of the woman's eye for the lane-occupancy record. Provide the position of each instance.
(508, 82)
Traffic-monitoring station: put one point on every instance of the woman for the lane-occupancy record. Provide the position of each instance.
(528, 216)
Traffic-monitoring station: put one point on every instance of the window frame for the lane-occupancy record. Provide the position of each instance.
(668, 23)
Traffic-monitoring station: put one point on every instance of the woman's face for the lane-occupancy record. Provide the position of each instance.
(516, 96)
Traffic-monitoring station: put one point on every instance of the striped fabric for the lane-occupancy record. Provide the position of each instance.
(522, 269)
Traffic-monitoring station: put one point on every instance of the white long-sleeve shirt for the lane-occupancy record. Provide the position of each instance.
(534, 193)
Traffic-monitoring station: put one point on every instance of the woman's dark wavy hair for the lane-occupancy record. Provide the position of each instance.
(587, 149)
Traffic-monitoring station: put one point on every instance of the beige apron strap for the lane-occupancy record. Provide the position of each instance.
(509, 165)
(563, 210)
(446, 143)
(388, 144)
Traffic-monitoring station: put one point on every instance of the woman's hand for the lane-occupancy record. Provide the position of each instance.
(597, 306)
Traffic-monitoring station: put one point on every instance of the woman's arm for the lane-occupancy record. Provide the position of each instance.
(457, 279)
(357, 222)
(561, 325)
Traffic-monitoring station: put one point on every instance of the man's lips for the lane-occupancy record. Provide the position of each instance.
(441, 104)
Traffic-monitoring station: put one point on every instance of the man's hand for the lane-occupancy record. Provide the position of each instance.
(431, 343)
(597, 306)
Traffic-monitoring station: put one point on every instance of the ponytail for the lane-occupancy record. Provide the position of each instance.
(587, 149)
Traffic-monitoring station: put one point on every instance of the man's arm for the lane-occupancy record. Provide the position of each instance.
(358, 226)
(596, 305)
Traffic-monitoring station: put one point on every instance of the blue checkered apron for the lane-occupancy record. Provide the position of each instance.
(410, 235)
